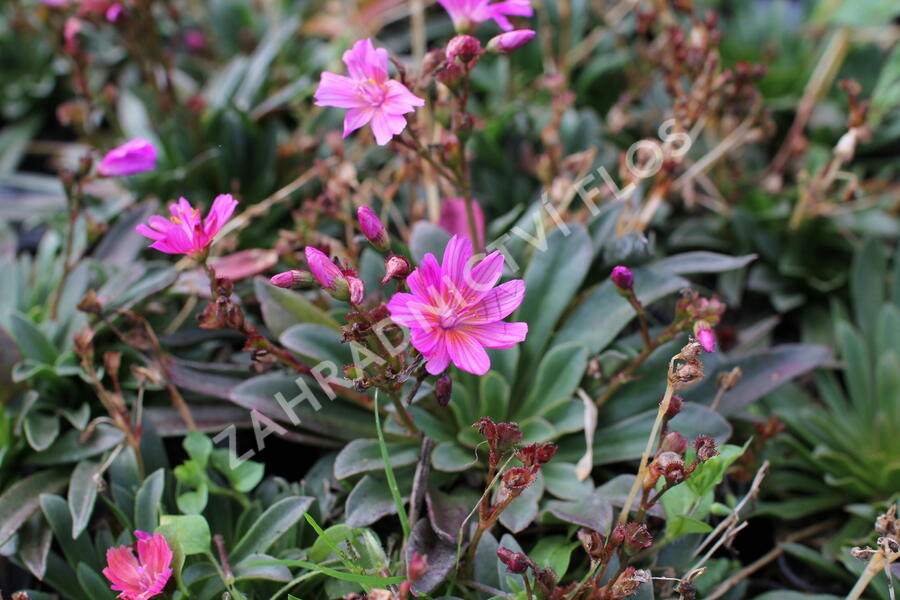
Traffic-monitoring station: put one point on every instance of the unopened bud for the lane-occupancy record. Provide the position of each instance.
(674, 442)
(515, 562)
(846, 146)
(373, 228)
(449, 74)
(592, 542)
(622, 278)
(293, 279)
(395, 267)
(356, 288)
(676, 405)
(443, 389)
(465, 48)
(509, 41)
(705, 336)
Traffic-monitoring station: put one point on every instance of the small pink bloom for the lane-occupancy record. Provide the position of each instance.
(142, 577)
(135, 156)
(455, 219)
(114, 12)
(467, 13)
(195, 40)
(71, 29)
(373, 228)
(705, 336)
(184, 232)
(368, 93)
(509, 41)
(454, 311)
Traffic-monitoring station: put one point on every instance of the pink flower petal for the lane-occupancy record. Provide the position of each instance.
(498, 303)
(356, 118)
(498, 335)
(466, 353)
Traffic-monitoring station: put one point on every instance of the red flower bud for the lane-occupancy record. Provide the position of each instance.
(464, 47)
(395, 267)
(515, 562)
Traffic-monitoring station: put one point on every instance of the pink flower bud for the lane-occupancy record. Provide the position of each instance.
(328, 274)
(357, 289)
(509, 41)
(114, 12)
(71, 29)
(395, 267)
(373, 228)
(464, 47)
(135, 156)
(622, 278)
(292, 280)
(705, 336)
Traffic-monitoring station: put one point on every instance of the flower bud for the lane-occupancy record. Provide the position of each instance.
(328, 274)
(373, 228)
(674, 442)
(705, 336)
(676, 404)
(395, 267)
(622, 278)
(293, 279)
(465, 48)
(518, 478)
(357, 289)
(136, 156)
(515, 562)
(592, 542)
(449, 74)
(416, 567)
(443, 389)
(509, 41)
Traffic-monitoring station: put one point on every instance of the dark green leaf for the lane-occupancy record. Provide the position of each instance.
(277, 520)
(22, 499)
(148, 501)
(82, 495)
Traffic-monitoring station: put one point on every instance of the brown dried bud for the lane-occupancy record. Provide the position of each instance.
(90, 304)
(637, 537)
(443, 389)
(671, 466)
(687, 374)
(592, 542)
(535, 455)
(84, 343)
(628, 583)
(706, 448)
(432, 61)
(518, 478)
(515, 562)
(692, 351)
(728, 380)
(546, 579)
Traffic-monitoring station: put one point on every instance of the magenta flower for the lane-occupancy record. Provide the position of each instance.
(455, 219)
(509, 41)
(328, 274)
(184, 232)
(368, 93)
(135, 156)
(467, 13)
(454, 311)
(705, 336)
(142, 577)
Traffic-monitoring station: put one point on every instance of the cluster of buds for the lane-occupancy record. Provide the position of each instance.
(628, 539)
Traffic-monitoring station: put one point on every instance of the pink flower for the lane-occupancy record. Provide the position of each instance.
(705, 336)
(135, 156)
(368, 93)
(455, 219)
(454, 311)
(195, 40)
(467, 13)
(71, 29)
(142, 577)
(184, 232)
(114, 12)
(509, 41)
